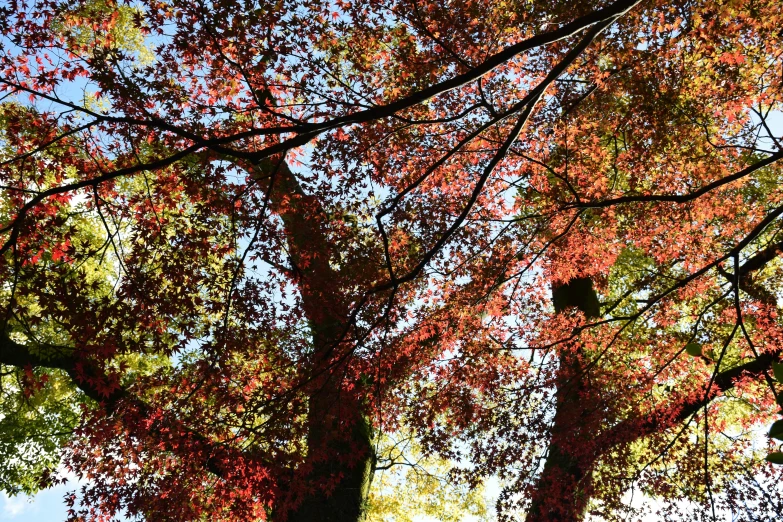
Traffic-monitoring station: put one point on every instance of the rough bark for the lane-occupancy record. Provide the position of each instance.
(339, 440)
(340, 454)
(563, 488)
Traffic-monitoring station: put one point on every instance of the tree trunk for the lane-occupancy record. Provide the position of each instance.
(341, 456)
(562, 490)
(337, 470)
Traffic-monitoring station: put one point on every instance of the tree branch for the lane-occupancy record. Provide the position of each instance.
(84, 375)
(680, 198)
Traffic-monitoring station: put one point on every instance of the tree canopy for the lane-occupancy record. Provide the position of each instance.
(312, 260)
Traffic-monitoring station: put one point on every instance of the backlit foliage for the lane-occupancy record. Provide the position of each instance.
(248, 247)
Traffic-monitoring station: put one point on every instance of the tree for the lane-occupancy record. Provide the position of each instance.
(242, 241)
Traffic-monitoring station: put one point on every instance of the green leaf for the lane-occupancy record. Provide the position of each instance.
(775, 457)
(693, 349)
(777, 369)
(776, 431)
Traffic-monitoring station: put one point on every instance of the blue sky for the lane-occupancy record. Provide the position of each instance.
(47, 506)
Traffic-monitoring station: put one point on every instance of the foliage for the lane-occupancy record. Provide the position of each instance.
(245, 245)
(407, 486)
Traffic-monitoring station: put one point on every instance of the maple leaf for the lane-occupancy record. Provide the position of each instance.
(277, 237)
